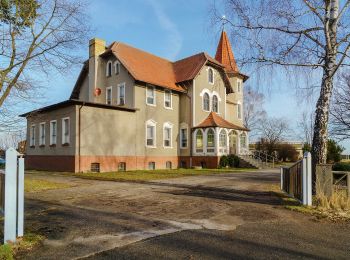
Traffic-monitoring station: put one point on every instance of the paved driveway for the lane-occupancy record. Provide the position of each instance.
(203, 217)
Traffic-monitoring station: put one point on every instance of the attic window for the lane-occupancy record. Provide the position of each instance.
(116, 67)
(109, 69)
(211, 76)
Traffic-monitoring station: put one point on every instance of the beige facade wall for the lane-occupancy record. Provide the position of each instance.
(58, 149)
(201, 84)
(84, 90)
(107, 132)
(160, 115)
(186, 119)
(236, 98)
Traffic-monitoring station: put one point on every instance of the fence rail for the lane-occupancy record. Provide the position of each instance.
(296, 180)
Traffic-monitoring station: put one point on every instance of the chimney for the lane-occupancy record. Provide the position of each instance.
(96, 48)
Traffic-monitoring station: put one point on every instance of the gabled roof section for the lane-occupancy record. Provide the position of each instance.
(146, 67)
(214, 120)
(83, 73)
(224, 55)
(149, 68)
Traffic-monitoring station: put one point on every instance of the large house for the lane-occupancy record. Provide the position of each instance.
(130, 109)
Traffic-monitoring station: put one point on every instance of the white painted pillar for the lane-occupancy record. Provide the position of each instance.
(281, 171)
(217, 133)
(238, 142)
(20, 194)
(10, 218)
(307, 180)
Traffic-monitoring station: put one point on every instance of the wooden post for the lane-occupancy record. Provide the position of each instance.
(10, 218)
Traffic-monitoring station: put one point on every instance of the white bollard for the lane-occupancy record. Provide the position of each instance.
(307, 180)
(10, 219)
(20, 210)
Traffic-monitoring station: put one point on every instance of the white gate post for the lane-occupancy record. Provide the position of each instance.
(10, 219)
(20, 210)
(281, 170)
(307, 180)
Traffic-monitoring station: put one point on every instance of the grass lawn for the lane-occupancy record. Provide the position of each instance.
(148, 175)
(36, 185)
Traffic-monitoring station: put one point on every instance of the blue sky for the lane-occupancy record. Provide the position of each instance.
(170, 29)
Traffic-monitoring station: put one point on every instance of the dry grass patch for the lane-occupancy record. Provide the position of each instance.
(37, 185)
(149, 175)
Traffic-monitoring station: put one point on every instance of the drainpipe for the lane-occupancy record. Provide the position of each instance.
(79, 130)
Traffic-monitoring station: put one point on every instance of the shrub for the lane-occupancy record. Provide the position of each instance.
(334, 151)
(287, 152)
(224, 161)
(6, 252)
(341, 166)
(233, 161)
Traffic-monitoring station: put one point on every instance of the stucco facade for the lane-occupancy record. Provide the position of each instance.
(132, 110)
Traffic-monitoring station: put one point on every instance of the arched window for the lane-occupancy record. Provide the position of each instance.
(199, 141)
(206, 102)
(210, 141)
(211, 76)
(109, 69)
(243, 140)
(215, 104)
(223, 138)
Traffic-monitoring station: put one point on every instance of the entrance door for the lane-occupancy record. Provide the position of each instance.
(233, 142)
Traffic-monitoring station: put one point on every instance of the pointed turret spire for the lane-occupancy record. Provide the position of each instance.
(224, 54)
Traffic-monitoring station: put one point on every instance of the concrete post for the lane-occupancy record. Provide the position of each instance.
(10, 218)
(307, 180)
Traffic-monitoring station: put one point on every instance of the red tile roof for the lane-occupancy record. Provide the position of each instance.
(149, 68)
(214, 120)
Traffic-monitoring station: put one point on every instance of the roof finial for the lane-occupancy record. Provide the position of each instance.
(224, 21)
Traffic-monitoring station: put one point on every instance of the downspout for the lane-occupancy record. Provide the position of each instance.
(79, 130)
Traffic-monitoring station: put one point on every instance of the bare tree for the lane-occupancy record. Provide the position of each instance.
(306, 127)
(305, 34)
(254, 111)
(11, 139)
(37, 36)
(340, 111)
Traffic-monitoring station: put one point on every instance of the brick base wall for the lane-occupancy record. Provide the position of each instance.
(110, 163)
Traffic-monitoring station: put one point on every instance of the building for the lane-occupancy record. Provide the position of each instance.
(297, 145)
(131, 110)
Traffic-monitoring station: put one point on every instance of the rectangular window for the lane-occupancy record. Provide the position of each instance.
(109, 96)
(42, 134)
(167, 137)
(53, 132)
(238, 86)
(121, 94)
(239, 111)
(150, 135)
(167, 99)
(117, 68)
(183, 138)
(32, 136)
(150, 95)
(122, 167)
(151, 166)
(95, 167)
(65, 130)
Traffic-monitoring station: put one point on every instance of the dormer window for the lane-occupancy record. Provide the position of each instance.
(116, 67)
(109, 69)
(211, 76)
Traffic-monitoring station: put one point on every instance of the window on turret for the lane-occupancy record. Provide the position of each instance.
(206, 102)
(239, 85)
(239, 111)
(211, 76)
(215, 104)
(210, 141)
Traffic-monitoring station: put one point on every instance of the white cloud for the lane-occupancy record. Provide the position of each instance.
(174, 38)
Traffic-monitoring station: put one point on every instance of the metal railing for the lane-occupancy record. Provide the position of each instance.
(292, 180)
(260, 158)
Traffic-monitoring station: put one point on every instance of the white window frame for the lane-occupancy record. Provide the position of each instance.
(212, 103)
(151, 123)
(239, 110)
(209, 108)
(111, 101)
(53, 142)
(171, 99)
(239, 86)
(213, 148)
(109, 72)
(197, 149)
(64, 140)
(120, 86)
(181, 137)
(42, 133)
(168, 125)
(212, 70)
(32, 135)
(154, 95)
(116, 67)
